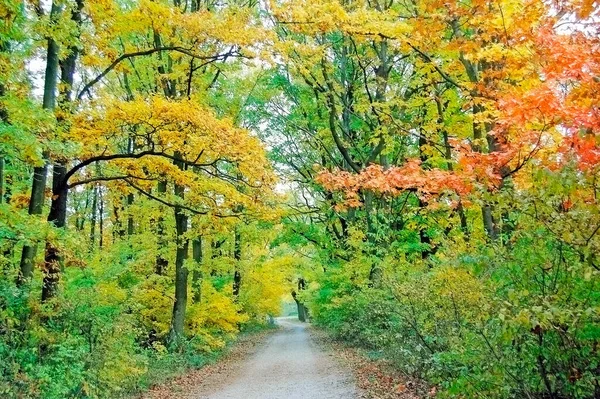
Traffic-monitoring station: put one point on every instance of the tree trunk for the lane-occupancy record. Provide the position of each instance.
(237, 255)
(94, 217)
(38, 185)
(101, 218)
(197, 274)
(58, 217)
(130, 225)
(2, 165)
(130, 197)
(118, 230)
(60, 188)
(302, 311)
(161, 262)
(448, 155)
(181, 272)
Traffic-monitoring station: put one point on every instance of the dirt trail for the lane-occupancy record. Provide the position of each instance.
(289, 366)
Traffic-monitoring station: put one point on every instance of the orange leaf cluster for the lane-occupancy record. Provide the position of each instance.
(567, 97)
(395, 180)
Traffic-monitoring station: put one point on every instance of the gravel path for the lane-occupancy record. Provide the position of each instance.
(289, 366)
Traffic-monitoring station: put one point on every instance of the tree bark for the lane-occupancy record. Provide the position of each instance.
(38, 185)
(130, 221)
(118, 229)
(58, 217)
(181, 271)
(161, 262)
(101, 219)
(197, 274)
(82, 213)
(2, 166)
(302, 311)
(237, 255)
(60, 188)
(94, 217)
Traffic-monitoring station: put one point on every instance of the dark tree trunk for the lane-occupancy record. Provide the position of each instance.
(118, 230)
(130, 224)
(197, 274)
(375, 274)
(60, 188)
(181, 277)
(94, 217)
(38, 185)
(101, 219)
(58, 217)
(130, 197)
(181, 271)
(237, 255)
(161, 262)
(216, 252)
(2, 166)
(448, 155)
(36, 204)
(82, 213)
(302, 311)
(7, 251)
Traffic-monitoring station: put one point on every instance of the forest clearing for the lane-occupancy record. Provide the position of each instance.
(416, 182)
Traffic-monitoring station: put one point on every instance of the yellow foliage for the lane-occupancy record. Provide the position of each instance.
(183, 129)
(264, 286)
(153, 302)
(215, 316)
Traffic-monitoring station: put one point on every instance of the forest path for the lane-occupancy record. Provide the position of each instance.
(290, 365)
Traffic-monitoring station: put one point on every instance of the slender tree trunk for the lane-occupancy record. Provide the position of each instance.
(423, 237)
(472, 71)
(2, 178)
(161, 262)
(302, 311)
(181, 271)
(94, 217)
(7, 251)
(38, 185)
(118, 230)
(2, 166)
(216, 251)
(299, 306)
(130, 197)
(58, 217)
(376, 273)
(101, 218)
(130, 221)
(382, 71)
(60, 188)
(197, 274)
(237, 255)
(82, 213)
(448, 155)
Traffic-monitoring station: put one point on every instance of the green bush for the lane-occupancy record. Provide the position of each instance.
(512, 322)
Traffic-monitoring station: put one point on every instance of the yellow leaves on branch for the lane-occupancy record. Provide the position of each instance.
(225, 164)
(332, 16)
(127, 29)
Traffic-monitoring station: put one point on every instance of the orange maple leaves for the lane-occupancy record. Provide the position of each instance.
(556, 114)
(394, 180)
(567, 97)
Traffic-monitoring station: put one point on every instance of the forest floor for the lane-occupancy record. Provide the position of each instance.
(374, 378)
(295, 361)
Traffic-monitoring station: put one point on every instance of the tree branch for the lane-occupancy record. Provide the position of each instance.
(126, 56)
(141, 154)
(106, 178)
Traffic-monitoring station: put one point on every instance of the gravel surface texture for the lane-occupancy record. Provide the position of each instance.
(290, 365)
